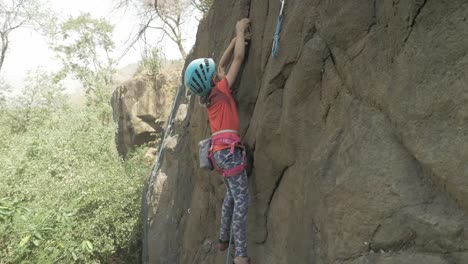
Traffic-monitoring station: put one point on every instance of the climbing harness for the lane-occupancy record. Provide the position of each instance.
(227, 138)
(275, 47)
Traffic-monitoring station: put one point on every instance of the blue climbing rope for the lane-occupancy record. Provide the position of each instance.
(275, 47)
(148, 191)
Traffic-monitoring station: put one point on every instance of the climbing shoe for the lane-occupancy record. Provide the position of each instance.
(223, 245)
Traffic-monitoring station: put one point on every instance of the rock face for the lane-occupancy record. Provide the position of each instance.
(135, 111)
(140, 107)
(357, 134)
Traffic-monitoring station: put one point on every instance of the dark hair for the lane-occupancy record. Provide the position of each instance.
(205, 100)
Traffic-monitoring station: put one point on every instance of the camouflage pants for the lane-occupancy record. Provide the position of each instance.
(236, 201)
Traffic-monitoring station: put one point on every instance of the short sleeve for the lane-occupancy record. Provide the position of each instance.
(223, 85)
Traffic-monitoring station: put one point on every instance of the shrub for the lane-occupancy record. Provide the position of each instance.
(65, 195)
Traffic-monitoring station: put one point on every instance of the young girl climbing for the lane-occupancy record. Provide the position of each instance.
(227, 153)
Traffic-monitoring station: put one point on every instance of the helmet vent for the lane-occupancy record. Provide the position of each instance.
(198, 85)
(207, 65)
(195, 89)
(203, 71)
(198, 75)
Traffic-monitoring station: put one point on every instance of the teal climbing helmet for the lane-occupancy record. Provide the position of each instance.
(198, 76)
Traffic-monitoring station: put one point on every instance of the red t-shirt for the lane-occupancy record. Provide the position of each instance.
(222, 111)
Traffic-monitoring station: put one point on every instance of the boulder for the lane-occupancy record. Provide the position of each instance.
(140, 108)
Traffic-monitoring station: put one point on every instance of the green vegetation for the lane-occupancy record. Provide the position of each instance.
(150, 64)
(65, 194)
(84, 45)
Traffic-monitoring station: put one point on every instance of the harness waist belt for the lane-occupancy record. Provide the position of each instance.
(232, 139)
(226, 139)
(225, 131)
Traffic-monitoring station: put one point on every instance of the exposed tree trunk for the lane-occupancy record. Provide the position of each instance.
(4, 49)
(168, 20)
(174, 22)
(181, 48)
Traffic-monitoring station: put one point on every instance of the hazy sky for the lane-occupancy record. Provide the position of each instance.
(28, 50)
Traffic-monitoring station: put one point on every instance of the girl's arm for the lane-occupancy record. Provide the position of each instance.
(239, 50)
(225, 59)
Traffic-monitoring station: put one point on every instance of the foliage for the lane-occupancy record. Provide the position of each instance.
(84, 45)
(150, 65)
(41, 96)
(66, 196)
(4, 91)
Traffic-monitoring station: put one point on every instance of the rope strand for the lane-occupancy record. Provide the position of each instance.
(275, 47)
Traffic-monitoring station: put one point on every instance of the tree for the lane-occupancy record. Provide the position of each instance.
(202, 5)
(84, 47)
(4, 90)
(150, 64)
(15, 14)
(41, 96)
(168, 16)
(173, 15)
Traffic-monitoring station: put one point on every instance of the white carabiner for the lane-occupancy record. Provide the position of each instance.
(282, 6)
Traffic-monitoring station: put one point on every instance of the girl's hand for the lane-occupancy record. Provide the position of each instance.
(242, 25)
(247, 38)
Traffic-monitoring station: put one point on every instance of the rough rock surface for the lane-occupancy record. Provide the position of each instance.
(357, 134)
(140, 108)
